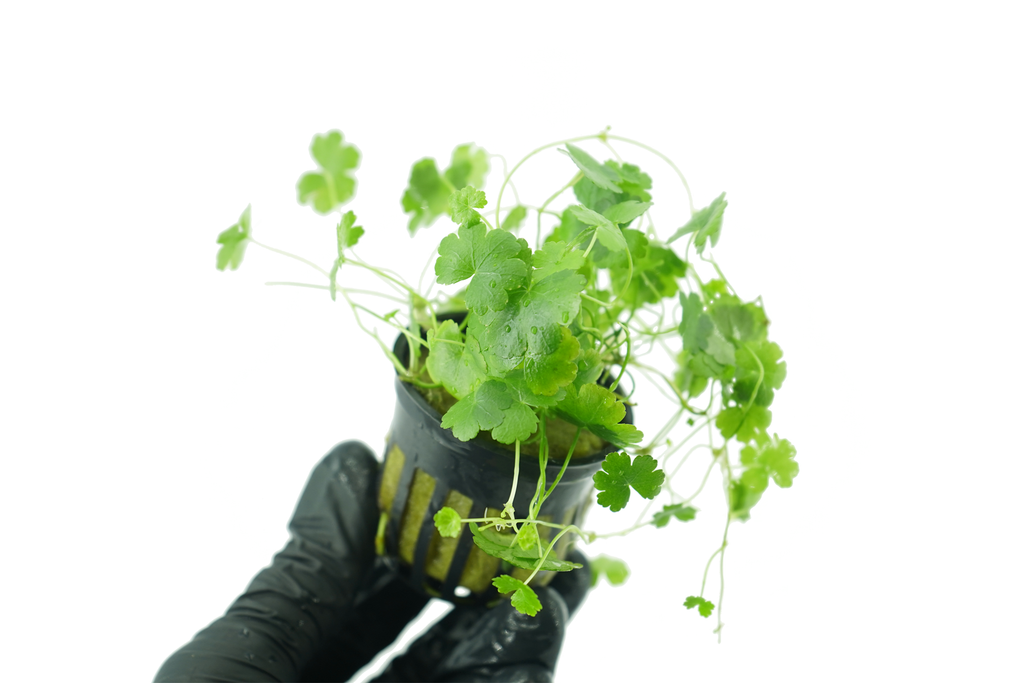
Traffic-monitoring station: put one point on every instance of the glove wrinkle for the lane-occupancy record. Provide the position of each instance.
(481, 644)
(290, 608)
(505, 640)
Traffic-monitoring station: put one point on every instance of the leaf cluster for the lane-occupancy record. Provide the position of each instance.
(426, 197)
(549, 331)
(519, 353)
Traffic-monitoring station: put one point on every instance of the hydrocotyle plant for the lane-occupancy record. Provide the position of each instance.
(567, 306)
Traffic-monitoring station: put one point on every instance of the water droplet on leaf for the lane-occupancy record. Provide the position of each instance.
(565, 317)
(508, 328)
(493, 284)
(533, 330)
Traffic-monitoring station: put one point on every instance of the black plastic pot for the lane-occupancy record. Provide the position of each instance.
(471, 477)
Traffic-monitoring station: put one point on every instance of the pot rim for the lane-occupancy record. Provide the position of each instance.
(409, 390)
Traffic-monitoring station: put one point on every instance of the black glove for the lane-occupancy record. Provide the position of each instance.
(327, 605)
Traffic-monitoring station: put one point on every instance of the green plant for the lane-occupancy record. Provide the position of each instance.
(553, 328)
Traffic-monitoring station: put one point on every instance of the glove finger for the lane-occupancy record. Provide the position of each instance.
(420, 660)
(486, 644)
(302, 600)
(380, 613)
(573, 586)
(506, 645)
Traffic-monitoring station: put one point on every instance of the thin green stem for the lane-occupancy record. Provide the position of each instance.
(551, 547)
(540, 149)
(542, 460)
(675, 168)
(612, 149)
(382, 273)
(512, 495)
(677, 446)
(721, 577)
(490, 521)
(625, 362)
(292, 256)
(707, 567)
(591, 245)
(718, 270)
(663, 432)
(703, 481)
(629, 275)
(504, 172)
(575, 179)
(402, 330)
(565, 464)
(402, 370)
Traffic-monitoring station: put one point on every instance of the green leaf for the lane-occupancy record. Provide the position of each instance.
(707, 223)
(521, 391)
(490, 407)
(634, 181)
(738, 322)
(750, 358)
(608, 234)
(655, 274)
(696, 325)
(489, 257)
(705, 607)
(456, 364)
(590, 367)
(514, 218)
(234, 240)
(426, 197)
(524, 599)
(448, 522)
(546, 369)
(333, 183)
(614, 570)
(679, 511)
(348, 235)
(625, 212)
(633, 185)
(599, 411)
(775, 456)
(766, 458)
(469, 166)
(553, 257)
(597, 173)
(593, 197)
(531, 325)
(500, 545)
(348, 232)
(518, 423)
(482, 408)
(618, 475)
(463, 204)
(719, 348)
(743, 424)
(527, 538)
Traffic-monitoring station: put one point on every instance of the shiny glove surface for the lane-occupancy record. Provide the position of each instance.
(327, 605)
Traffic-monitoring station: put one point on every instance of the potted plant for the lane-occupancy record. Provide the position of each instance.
(515, 384)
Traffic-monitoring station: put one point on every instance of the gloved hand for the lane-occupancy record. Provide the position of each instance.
(327, 605)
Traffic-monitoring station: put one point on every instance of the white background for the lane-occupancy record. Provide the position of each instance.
(159, 418)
